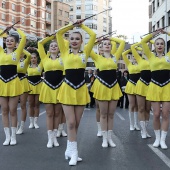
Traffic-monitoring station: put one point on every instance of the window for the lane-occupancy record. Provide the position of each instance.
(71, 17)
(34, 2)
(43, 26)
(3, 16)
(153, 28)
(104, 20)
(13, 7)
(66, 14)
(157, 3)
(43, 3)
(71, 8)
(23, 21)
(66, 23)
(60, 12)
(43, 15)
(23, 9)
(59, 22)
(158, 24)
(13, 19)
(78, 7)
(3, 4)
(33, 24)
(78, 16)
(92, 26)
(169, 18)
(153, 6)
(163, 21)
(104, 29)
(88, 15)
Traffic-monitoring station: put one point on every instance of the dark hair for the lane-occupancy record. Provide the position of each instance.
(77, 32)
(53, 41)
(34, 54)
(15, 36)
(107, 40)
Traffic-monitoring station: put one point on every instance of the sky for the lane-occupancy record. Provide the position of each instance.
(130, 18)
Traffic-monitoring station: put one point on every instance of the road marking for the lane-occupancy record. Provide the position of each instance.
(161, 155)
(120, 116)
(42, 113)
(17, 109)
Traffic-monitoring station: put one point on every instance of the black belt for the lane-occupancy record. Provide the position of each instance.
(34, 80)
(75, 77)
(133, 78)
(22, 76)
(160, 77)
(145, 76)
(54, 79)
(8, 72)
(107, 78)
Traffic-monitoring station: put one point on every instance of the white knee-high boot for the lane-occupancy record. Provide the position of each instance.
(13, 136)
(163, 138)
(146, 124)
(105, 141)
(74, 153)
(131, 119)
(158, 137)
(50, 139)
(21, 128)
(99, 132)
(31, 126)
(63, 133)
(68, 151)
(35, 123)
(7, 136)
(109, 138)
(55, 137)
(143, 129)
(136, 121)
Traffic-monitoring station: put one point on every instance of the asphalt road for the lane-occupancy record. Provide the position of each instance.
(131, 152)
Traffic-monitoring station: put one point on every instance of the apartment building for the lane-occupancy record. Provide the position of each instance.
(100, 24)
(37, 17)
(159, 14)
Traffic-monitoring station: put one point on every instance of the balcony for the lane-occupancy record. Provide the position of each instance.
(48, 9)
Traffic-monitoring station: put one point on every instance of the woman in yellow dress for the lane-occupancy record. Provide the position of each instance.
(34, 78)
(21, 70)
(10, 85)
(134, 75)
(73, 92)
(159, 87)
(141, 89)
(53, 68)
(107, 90)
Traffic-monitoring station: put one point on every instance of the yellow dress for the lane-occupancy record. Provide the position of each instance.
(34, 78)
(10, 84)
(73, 90)
(142, 84)
(106, 87)
(98, 72)
(53, 75)
(22, 70)
(134, 74)
(159, 87)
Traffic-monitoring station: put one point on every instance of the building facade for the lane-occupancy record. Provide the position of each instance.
(159, 14)
(37, 17)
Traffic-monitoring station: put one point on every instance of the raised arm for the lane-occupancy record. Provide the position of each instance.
(60, 39)
(113, 47)
(125, 58)
(91, 40)
(22, 43)
(121, 47)
(41, 49)
(94, 56)
(134, 49)
(28, 59)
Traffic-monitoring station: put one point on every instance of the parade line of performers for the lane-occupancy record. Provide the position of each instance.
(65, 93)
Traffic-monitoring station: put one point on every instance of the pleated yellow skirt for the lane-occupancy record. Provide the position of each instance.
(93, 86)
(69, 96)
(141, 88)
(130, 88)
(48, 95)
(11, 88)
(25, 85)
(157, 93)
(35, 89)
(102, 92)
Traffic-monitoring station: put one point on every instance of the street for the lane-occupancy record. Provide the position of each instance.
(131, 152)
